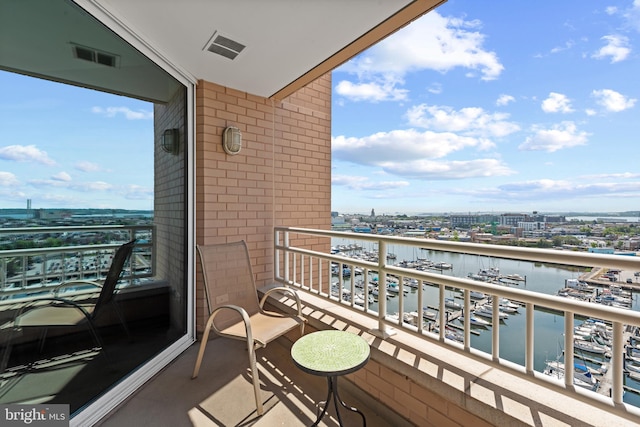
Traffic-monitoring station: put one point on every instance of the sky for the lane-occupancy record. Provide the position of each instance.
(66, 147)
(479, 106)
(493, 106)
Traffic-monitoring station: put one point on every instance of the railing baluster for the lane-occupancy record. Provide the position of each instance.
(495, 329)
(529, 338)
(617, 363)
(466, 312)
(568, 348)
(443, 315)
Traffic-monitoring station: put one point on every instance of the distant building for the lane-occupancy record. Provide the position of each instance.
(52, 214)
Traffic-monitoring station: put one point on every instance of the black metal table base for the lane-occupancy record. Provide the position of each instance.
(332, 395)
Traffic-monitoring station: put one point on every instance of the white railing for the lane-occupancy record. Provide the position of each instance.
(32, 271)
(310, 270)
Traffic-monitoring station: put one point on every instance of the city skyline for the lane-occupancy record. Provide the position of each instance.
(468, 109)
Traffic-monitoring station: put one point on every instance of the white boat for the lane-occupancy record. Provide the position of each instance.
(428, 314)
(504, 302)
(451, 303)
(442, 266)
(476, 295)
(476, 321)
(503, 308)
(589, 346)
(581, 374)
(487, 311)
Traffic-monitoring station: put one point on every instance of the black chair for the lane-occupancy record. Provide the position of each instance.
(56, 311)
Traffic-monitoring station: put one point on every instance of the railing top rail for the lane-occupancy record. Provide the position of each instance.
(551, 256)
(59, 249)
(525, 296)
(62, 229)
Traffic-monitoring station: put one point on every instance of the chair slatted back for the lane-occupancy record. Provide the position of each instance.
(228, 279)
(122, 255)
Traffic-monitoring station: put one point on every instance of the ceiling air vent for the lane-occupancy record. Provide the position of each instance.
(94, 55)
(224, 46)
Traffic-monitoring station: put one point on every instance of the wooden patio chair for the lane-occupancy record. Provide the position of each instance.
(234, 310)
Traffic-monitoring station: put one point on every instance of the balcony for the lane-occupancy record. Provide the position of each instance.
(419, 373)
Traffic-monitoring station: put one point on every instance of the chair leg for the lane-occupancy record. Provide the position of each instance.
(254, 374)
(203, 345)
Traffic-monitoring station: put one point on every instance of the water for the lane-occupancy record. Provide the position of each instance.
(543, 278)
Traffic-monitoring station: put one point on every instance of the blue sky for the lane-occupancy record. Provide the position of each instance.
(66, 147)
(477, 107)
(493, 106)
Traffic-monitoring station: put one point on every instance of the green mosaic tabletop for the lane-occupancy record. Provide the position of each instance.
(330, 353)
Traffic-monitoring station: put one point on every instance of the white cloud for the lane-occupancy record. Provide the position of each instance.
(632, 15)
(432, 42)
(616, 48)
(413, 154)
(557, 103)
(444, 170)
(128, 113)
(62, 176)
(91, 186)
(435, 88)
(86, 166)
(137, 192)
(375, 92)
(568, 45)
(612, 101)
(504, 100)
(560, 136)
(364, 183)
(546, 189)
(470, 121)
(25, 153)
(400, 146)
(7, 179)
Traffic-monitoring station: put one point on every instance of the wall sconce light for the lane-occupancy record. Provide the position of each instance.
(171, 141)
(232, 140)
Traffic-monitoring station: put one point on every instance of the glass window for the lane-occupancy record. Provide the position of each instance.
(92, 157)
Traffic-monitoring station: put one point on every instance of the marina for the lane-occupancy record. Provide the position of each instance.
(591, 345)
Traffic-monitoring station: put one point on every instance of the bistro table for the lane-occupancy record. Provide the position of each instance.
(331, 354)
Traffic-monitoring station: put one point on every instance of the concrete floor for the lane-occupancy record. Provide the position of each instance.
(222, 395)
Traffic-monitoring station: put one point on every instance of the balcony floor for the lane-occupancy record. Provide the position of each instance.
(222, 395)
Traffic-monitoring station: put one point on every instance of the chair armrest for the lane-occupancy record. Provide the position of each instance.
(286, 290)
(243, 313)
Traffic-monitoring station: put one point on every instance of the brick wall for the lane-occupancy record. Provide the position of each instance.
(282, 176)
(169, 204)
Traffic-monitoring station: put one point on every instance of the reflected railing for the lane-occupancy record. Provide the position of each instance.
(62, 254)
(420, 301)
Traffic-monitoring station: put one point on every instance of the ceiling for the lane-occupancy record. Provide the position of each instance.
(287, 43)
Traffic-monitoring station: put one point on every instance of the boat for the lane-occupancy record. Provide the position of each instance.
(505, 309)
(442, 266)
(476, 295)
(589, 346)
(504, 302)
(451, 303)
(428, 314)
(487, 311)
(582, 376)
(476, 321)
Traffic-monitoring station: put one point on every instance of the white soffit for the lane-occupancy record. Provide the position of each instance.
(282, 39)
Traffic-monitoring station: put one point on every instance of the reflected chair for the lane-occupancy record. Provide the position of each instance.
(234, 310)
(49, 312)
